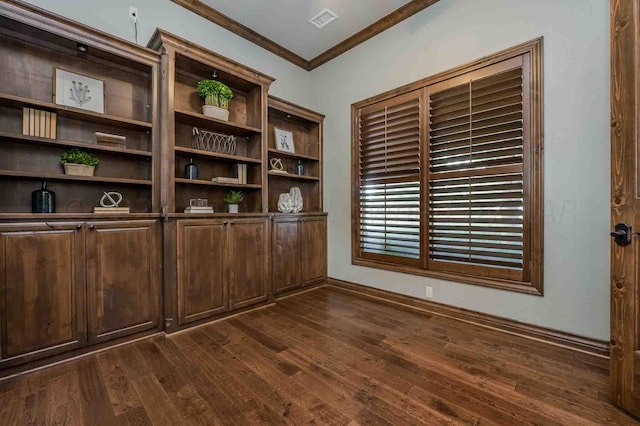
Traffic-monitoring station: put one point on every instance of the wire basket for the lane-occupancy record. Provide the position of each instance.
(213, 142)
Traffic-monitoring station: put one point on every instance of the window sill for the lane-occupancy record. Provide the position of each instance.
(519, 287)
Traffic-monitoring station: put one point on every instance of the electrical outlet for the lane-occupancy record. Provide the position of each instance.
(133, 13)
(428, 292)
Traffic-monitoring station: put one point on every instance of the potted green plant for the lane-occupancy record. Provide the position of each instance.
(216, 97)
(233, 198)
(79, 163)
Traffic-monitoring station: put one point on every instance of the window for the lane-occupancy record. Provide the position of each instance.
(448, 174)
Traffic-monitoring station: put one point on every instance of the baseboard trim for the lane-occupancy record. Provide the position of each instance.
(582, 344)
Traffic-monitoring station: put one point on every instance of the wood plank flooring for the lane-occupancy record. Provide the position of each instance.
(323, 357)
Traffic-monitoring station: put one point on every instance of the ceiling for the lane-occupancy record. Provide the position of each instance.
(286, 21)
(282, 27)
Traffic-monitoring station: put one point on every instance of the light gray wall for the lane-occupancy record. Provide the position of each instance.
(576, 156)
(448, 34)
(112, 16)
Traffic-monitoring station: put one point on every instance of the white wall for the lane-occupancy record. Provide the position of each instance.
(576, 116)
(112, 16)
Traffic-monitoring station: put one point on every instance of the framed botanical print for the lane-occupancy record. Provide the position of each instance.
(78, 91)
(284, 141)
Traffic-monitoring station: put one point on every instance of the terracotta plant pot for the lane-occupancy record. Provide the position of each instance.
(215, 112)
(78, 169)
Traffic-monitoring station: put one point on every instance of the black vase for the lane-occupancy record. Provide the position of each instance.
(191, 170)
(43, 200)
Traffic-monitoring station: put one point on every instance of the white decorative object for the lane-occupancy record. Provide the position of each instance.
(291, 202)
(78, 91)
(233, 208)
(214, 142)
(74, 169)
(284, 141)
(111, 199)
(296, 199)
(215, 112)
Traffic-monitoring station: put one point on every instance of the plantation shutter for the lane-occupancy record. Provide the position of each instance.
(388, 214)
(477, 186)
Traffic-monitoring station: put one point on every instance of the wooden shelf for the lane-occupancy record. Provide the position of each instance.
(75, 113)
(208, 154)
(213, 124)
(293, 176)
(292, 155)
(59, 142)
(76, 216)
(60, 176)
(210, 183)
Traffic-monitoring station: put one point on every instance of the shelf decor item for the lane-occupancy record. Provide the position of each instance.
(110, 203)
(277, 166)
(108, 139)
(233, 198)
(198, 205)
(284, 141)
(291, 202)
(79, 163)
(300, 168)
(39, 123)
(191, 170)
(43, 200)
(78, 91)
(216, 97)
(205, 140)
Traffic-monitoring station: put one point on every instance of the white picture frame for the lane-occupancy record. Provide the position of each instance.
(78, 91)
(284, 141)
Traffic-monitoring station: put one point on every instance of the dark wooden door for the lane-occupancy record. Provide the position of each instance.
(42, 290)
(123, 278)
(314, 249)
(625, 203)
(248, 262)
(285, 254)
(202, 271)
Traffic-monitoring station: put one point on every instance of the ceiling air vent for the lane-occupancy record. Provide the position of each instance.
(323, 18)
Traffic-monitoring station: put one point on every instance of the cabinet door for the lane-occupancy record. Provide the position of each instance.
(123, 278)
(42, 290)
(248, 262)
(285, 254)
(314, 249)
(202, 288)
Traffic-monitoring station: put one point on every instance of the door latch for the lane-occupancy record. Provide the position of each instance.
(622, 234)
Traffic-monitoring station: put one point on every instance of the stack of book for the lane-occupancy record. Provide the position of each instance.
(194, 209)
(224, 179)
(111, 210)
(39, 123)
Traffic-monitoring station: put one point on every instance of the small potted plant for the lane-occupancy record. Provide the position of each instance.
(216, 97)
(79, 163)
(233, 198)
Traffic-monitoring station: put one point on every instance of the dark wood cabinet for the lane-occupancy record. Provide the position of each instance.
(249, 262)
(123, 278)
(202, 271)
(285, 254)
(314, 249)
(298, 252)
(42, 292)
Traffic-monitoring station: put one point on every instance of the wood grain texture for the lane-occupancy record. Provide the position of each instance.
(550, 336)
(625, 45)
(322, 357)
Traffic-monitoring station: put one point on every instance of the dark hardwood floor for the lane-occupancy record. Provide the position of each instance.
(324, 357)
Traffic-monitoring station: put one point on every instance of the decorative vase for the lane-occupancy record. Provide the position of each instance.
(78, 169)
(191, 170)
(215, 112)
(43, 200)
(233, 208)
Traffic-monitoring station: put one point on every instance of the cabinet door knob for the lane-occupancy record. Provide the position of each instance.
(92, 226)
(224, 222)
(232, 222)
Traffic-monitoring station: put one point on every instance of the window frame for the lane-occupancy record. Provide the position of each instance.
(533, 176)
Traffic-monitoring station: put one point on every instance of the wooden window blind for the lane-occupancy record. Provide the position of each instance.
(476, 203)
(389, 179)
(447, 174)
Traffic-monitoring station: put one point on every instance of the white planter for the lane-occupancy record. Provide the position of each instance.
(78, 169)
(215, 112)
(233, 208)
